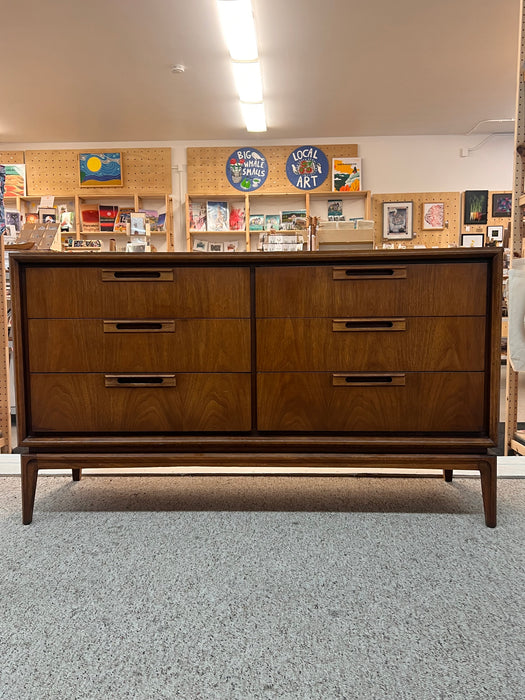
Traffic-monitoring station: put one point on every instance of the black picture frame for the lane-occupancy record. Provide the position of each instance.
(501, 204)
(476, 206)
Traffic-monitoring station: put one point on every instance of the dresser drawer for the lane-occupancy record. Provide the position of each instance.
(404, 402)
(440, 343)
(140, 292)
(146, 345)
(118, 403)
(379, 289)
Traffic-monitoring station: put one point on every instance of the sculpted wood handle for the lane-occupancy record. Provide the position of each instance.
(126, 381)
(368, 379)
(138, 274)
(369, 272)
(139, 326)
(368, 324)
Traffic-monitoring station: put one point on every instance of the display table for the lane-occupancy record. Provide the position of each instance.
(370, 359)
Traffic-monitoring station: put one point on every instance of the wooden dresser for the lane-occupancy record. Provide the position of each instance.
(369, 359)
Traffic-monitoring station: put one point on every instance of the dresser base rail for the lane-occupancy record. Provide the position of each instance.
(294, 462)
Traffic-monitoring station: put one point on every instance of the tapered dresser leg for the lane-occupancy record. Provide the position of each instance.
(447, 474)
(488, 471)
(29, 473)
(77, 474)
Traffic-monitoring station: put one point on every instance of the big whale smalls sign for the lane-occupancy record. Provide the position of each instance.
(246, 169)
(307, 167)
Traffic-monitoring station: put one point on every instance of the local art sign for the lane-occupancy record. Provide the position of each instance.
(246, 169)
(307, 167)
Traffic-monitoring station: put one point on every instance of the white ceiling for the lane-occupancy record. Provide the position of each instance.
(100, 70)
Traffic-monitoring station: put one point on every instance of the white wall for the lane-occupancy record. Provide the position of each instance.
(394, 164)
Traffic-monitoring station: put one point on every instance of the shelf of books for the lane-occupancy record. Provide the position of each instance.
(110, 220)
(269, 221)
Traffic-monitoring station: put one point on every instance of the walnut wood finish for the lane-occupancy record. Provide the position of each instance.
(308, 401)
(193, 345)
(198, 402)
(427, 290)
(384, 359)
(439, 343)
(82, 292)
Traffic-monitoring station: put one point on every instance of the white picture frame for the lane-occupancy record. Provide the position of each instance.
(398, 220)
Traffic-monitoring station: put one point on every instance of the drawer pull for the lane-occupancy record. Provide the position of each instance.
(395, 379)
(139, 326)
(369, 324)
(358, 272)
(116, 381)
(138, 274)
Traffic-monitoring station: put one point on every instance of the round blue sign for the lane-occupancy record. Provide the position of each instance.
(307, 167)
(246, 169)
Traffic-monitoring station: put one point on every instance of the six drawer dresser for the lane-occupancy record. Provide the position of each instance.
(367, 359)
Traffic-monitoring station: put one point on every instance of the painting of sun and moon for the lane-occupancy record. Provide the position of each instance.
(100, 169)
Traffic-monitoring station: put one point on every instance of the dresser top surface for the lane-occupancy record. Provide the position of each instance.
(257, 258)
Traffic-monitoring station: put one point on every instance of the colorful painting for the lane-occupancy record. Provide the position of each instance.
(433, 216)
(346, 174)
(2, 188)
(501, 204)
(307, 167)
(476, 205)
(100, 169)
(246, 169)
(15, 180)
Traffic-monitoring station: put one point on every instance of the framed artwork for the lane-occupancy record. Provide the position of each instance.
(501, 204)
(397, 220)
(346, 174)
(47, 216)
(476, 206)
(433, 216)
(100, 169)
(495, 233)
(472, 240)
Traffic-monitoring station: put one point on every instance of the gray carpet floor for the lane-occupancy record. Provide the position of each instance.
(248, 588)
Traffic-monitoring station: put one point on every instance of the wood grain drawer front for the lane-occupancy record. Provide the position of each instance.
(95, 292)
(410, 402)
(441, 343)
(414, 289)
(134, 403)
(181, 345)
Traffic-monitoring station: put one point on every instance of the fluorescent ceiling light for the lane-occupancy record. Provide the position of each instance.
(253, 115)
(238, 27)
(248, 81)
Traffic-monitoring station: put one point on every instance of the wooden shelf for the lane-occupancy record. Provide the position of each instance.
(239, 232)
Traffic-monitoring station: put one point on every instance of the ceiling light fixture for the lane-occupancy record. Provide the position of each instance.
(238, 27)
(248, 81)
(254, 116)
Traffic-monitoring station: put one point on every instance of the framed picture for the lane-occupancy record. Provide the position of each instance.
(476, 205)
(100, 169)
(397, 220)
(215, 247)
(501, 204)
(433, 216)
(47, 216)
(495, 233)
(472, 240)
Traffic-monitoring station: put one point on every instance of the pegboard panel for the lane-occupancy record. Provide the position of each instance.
(145, 170)
(441, 238)
(207, 168)
(11, 157)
